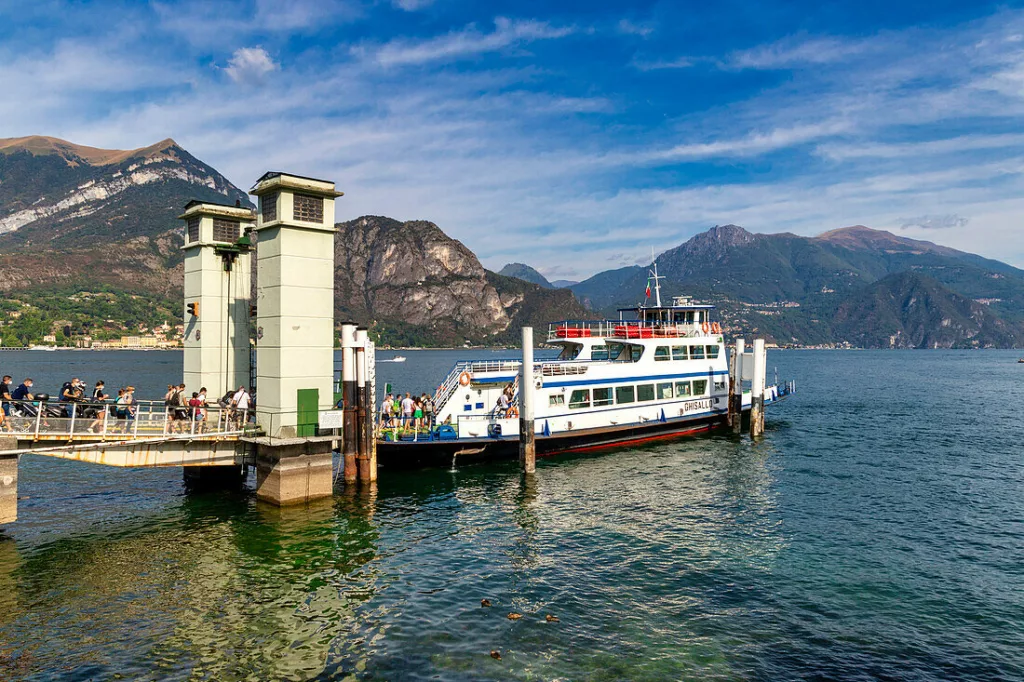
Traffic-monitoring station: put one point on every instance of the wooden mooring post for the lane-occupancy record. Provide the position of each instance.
(8, 481)
(350, 421)
(527, 443)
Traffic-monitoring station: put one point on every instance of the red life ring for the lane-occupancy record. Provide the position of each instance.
(512, 412)
(464, 378)
(706, 327)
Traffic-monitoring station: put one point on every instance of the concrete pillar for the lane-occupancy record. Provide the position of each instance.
(527, 442)
(737, 397)
(349, 429)
(295, 297)
(217, 288)
(8, 481)
(294, 471)
(757, 390)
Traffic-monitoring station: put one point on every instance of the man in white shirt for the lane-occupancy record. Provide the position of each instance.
(241, 401)
(408, 405)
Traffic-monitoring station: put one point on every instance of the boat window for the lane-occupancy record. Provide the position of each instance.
(645, 392)
(712, 352)
(556, 400)
(661, 354)
(615, 351)
(635, 353)
(570, 351)
(689, 316)
(665, 391)
(700, 386)
(679, 352)
(696, 352)
(679, 317)
(602, 396)
(624, 394)
(599, 353)
(719, 384)
(579, 399)
(682, 389)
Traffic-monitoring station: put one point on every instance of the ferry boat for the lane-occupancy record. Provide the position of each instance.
(658, 372)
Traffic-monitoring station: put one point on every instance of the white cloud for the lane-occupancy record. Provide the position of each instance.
(934, 222)
(656, 65)
(250, 65)
(627, 27)
(412, 5)
(792, 52)
(459, 44)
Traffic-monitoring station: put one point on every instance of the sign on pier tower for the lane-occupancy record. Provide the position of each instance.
(218, 282)
(295, 298)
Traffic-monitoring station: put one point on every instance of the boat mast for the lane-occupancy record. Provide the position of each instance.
(657, 280)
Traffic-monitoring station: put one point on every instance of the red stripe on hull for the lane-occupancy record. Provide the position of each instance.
(632, 441)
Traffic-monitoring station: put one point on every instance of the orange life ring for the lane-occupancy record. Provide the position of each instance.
(464, 378)
(706, 327)
(716, 328)
(512, 412)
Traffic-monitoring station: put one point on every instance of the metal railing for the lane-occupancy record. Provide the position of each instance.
(622, 329)
(140, 420)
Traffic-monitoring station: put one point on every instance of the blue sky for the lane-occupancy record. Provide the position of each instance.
(573, 136)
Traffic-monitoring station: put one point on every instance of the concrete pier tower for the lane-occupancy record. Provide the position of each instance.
(295, 332)
(218, 282)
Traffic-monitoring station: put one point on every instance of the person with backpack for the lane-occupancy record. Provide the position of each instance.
(428, 411)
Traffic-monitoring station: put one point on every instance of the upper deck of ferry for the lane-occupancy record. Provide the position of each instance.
(681, 319)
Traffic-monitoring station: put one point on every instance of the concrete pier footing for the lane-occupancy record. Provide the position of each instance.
(294, 472)
(214, 477)
(8, 481)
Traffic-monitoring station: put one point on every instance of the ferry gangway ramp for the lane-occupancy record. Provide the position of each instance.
(150, 434)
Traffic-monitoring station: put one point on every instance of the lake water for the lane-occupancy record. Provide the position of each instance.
(877, 532)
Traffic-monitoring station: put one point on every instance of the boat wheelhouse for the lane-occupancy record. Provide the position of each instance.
(658, 371)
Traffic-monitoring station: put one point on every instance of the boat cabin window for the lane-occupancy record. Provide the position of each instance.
(635, 353)
(599, 352)
(661, 354)
(570, 351)
(556, 400)
(682, 389)
(602, 396)
(665, 391)
(720, 384)
(696, 352)
(645, 392)
(616, 350)
(679, 353)
(579, 399)
(712, 352)
(700, 386)
(624, 395)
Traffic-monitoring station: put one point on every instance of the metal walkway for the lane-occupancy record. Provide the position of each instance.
(149, 434)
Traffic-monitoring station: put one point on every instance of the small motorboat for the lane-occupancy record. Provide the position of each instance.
(1020, 361)
(397, 358)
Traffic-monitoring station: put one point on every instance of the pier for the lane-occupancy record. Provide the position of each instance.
(277, 348)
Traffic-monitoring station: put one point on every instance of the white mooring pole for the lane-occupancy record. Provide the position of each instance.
(757, 390)
(527, 445)
(737, 406)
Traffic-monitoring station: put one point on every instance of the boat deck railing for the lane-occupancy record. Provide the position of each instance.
(143, 419)
(627, 329)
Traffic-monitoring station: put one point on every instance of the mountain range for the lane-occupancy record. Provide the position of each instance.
(90, 243)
